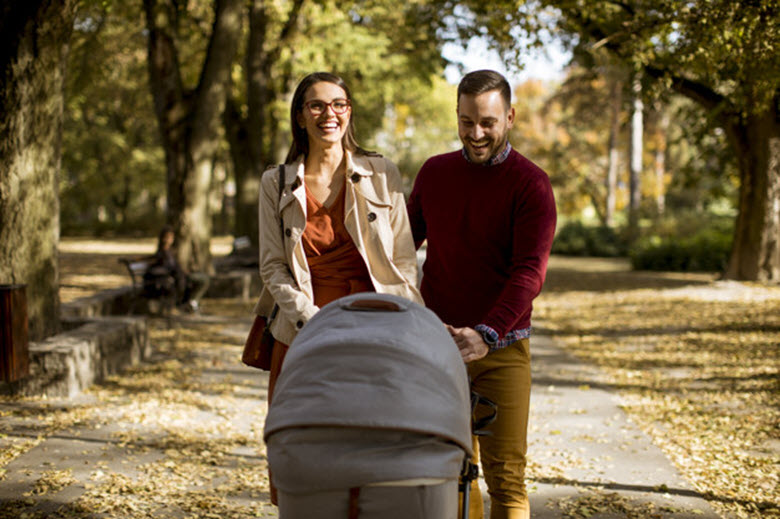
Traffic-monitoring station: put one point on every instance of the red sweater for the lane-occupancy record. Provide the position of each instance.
(489, 232)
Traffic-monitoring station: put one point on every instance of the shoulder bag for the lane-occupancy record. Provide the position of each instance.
(259, 345)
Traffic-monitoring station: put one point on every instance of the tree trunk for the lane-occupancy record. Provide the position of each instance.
(614, 154)
(659, 162)
(252, 138)
(596, 202)
(244, 222)
(755, 253)
(34, 38)
(247, 147)
(190, 121)
(635, 192)
(755, 139)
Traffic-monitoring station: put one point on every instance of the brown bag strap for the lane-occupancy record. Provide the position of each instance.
(281, 190)
(353, 510)
(281, 229)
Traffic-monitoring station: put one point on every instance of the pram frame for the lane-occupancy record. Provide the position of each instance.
(470, 470)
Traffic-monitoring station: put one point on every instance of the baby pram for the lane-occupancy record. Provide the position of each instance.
(371, 415)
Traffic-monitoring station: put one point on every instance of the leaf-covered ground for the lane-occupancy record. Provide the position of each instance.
(697, 361)
(180, 436)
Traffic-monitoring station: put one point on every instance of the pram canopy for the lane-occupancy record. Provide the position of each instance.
(374, 361)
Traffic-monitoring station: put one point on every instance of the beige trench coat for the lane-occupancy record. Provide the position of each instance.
(375, 217)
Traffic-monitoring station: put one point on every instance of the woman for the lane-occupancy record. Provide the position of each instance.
(345, 226)
(166, 276)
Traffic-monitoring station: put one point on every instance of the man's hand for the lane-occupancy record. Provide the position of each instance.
(469, 342)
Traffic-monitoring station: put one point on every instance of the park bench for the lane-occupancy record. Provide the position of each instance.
(161, 294)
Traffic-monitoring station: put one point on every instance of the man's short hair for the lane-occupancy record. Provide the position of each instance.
(481, 81)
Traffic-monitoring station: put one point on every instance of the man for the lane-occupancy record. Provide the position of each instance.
(488, 214)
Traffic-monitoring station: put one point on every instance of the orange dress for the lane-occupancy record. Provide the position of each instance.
(337, 268)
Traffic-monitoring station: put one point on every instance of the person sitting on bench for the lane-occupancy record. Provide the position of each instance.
(165, 275)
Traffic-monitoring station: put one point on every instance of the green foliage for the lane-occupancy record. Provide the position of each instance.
(113, 173)
(729, 46)
(577, 239)
(385, 51)
(420, 122)
(707, 251)
(685, 242)
(704, 168)
(684, 249)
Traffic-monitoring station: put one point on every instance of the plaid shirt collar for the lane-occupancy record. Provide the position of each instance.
(498, 158)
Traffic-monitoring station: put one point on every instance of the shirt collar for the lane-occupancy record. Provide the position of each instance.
(498, 158)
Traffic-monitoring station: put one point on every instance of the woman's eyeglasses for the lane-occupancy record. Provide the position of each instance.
(317, 107)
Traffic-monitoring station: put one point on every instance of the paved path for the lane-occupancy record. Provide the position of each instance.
(585, 454)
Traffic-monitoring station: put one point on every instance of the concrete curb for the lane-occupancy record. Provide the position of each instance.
(98, 342)
(67, 363)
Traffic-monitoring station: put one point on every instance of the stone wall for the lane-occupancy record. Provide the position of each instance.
(100, 339)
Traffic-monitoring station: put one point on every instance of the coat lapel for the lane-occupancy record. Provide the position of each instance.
(293, 187)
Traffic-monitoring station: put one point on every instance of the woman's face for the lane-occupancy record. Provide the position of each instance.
(320, 115)
(167, 240)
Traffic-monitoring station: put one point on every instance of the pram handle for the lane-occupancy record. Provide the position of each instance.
(373, 305)
(478, 426)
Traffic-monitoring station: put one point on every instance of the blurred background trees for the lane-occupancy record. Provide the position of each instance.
(172, 110)
(723, 56)
(113, 175)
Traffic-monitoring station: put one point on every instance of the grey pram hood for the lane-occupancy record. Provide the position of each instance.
(358, 367)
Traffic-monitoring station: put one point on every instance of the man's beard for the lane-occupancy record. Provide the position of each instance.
(491, 148)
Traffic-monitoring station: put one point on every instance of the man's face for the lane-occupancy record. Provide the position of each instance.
(484, 122)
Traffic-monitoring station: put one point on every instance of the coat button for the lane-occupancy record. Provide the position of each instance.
(371, 217)
(299, 324)
(288, 232)
(354, 178)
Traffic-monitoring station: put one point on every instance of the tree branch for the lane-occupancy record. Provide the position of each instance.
(292, 21)
(696, 91)
(702, 94)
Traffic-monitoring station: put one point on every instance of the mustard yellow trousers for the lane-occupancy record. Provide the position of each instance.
(503, 376)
